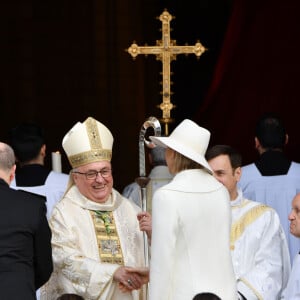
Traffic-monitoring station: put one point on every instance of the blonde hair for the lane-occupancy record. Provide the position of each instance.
(181, 163)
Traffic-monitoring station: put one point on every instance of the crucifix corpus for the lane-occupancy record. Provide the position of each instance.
(166, 50)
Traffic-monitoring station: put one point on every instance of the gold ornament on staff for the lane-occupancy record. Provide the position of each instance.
(166, 51)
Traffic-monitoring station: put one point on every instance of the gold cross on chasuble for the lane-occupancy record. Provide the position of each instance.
(166, 50)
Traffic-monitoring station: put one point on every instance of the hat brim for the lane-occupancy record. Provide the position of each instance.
(168, 142)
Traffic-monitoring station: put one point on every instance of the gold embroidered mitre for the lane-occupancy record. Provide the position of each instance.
(88, 142)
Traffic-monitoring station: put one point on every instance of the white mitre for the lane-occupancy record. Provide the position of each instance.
(88, 142)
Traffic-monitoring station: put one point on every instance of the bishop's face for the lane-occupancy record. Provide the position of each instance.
(94, 180)
(294, 216)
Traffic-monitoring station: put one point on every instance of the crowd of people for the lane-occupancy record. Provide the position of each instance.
(215, 229)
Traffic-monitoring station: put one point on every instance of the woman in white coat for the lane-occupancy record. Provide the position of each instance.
(191, 221)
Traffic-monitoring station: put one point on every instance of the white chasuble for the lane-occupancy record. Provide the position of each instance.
(79, 265)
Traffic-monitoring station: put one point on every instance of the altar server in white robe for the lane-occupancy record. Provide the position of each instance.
(191, 220)
(273, 179)
(292, 291)
(258, 245)
(96, 241)
(53, 189)
(28, 141)
(158, 177)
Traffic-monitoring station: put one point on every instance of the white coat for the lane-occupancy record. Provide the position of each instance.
(190, 249)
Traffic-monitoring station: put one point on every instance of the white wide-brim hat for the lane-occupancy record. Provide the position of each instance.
(188, 139)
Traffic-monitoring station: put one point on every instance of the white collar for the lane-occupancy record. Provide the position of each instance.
(238, 200)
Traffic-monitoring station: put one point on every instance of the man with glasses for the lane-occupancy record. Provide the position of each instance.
(96, 240)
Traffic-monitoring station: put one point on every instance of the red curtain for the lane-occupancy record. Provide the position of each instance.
(257, 71)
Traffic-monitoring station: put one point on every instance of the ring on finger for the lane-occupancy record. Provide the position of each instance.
(129, 282)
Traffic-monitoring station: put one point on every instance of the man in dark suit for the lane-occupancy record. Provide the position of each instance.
(25, 236)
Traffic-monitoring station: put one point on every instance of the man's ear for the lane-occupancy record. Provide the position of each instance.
(238, 173)
(256, 143)
(43, 150)
(286, 139)
(12, 174)
(258, 146)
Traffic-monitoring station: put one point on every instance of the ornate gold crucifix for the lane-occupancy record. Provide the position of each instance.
(166, 50)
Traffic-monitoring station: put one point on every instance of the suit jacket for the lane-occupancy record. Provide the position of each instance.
(25, 244)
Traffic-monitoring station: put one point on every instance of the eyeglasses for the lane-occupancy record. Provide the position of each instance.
(91, 175)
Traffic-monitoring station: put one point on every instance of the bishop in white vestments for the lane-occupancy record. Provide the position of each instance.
(97, 244)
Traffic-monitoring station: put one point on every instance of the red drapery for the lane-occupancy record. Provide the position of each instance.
(257, 71)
